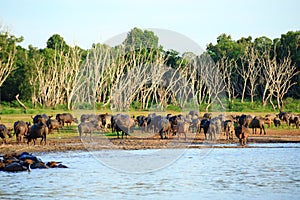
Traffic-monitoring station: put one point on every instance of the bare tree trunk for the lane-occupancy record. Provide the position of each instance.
(277, 76)
(7, 64)
(243, 72)
(22, 104)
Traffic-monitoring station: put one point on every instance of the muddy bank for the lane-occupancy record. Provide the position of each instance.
(74, 143)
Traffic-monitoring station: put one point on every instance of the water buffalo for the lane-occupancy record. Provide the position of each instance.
(182, 128)
(4, 132)
(21, 129)
(40, 118)
(269, 119)
(204, 125)
(65, 118)
(88, 127)
(285, 116)
(91, 118)
(258, 123)
(245, 120)
(105, 120)
(194, 113)
(164, 128)
(17, 166)
(39, 130)
(277, 122)
(215, 127)
(142, 122)
(123, 123)
(195, 124)
(53, 124)
(229, 129)
(153, 122)
(16, 162)
(173, 121)
(242, 133)
(207, 115)
(295, 119)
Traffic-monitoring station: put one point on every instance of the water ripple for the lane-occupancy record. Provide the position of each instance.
(260, 173)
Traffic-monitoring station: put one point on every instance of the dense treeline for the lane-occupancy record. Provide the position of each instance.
(142, 72)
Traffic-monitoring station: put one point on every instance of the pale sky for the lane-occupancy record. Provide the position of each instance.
(84, 22)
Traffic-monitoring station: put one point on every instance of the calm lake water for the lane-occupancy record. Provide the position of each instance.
(271, 172)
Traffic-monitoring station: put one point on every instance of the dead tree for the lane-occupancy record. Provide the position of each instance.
(7, 58)
(277, 76)
(227, 69)
(284, 72)
(210, 73)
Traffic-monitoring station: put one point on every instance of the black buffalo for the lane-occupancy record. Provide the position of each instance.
(37, 131)
(4, 132)
(21, 129)
(65, 118)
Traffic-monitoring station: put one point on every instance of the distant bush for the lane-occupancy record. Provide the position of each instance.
(85, 106)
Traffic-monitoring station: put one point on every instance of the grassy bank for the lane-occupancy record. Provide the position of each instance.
(290, 105)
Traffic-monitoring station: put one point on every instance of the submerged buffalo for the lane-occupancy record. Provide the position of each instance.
(24, 161)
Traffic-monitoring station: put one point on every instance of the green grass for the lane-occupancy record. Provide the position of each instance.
(11, 112)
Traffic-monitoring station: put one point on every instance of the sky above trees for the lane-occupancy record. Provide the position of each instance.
(91, 21)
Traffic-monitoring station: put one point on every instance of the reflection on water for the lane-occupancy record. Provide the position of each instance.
(229, 173)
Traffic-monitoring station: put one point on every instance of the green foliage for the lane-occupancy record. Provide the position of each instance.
(142, 47)
(175, 108)
(292, 105)
(136, 105)
(227, 47)
(57, 42)
(289, 44)
(263, 43)
(101, 106)
(114, 134)
(172, 58)
(85, 106)
(138, 38)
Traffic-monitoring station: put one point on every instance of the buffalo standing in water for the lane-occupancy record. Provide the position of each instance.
(242, 133)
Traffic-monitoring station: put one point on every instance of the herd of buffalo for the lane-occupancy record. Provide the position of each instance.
(166, 126)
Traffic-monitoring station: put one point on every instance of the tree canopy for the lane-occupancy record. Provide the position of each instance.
(53, 75)
(138, 38)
